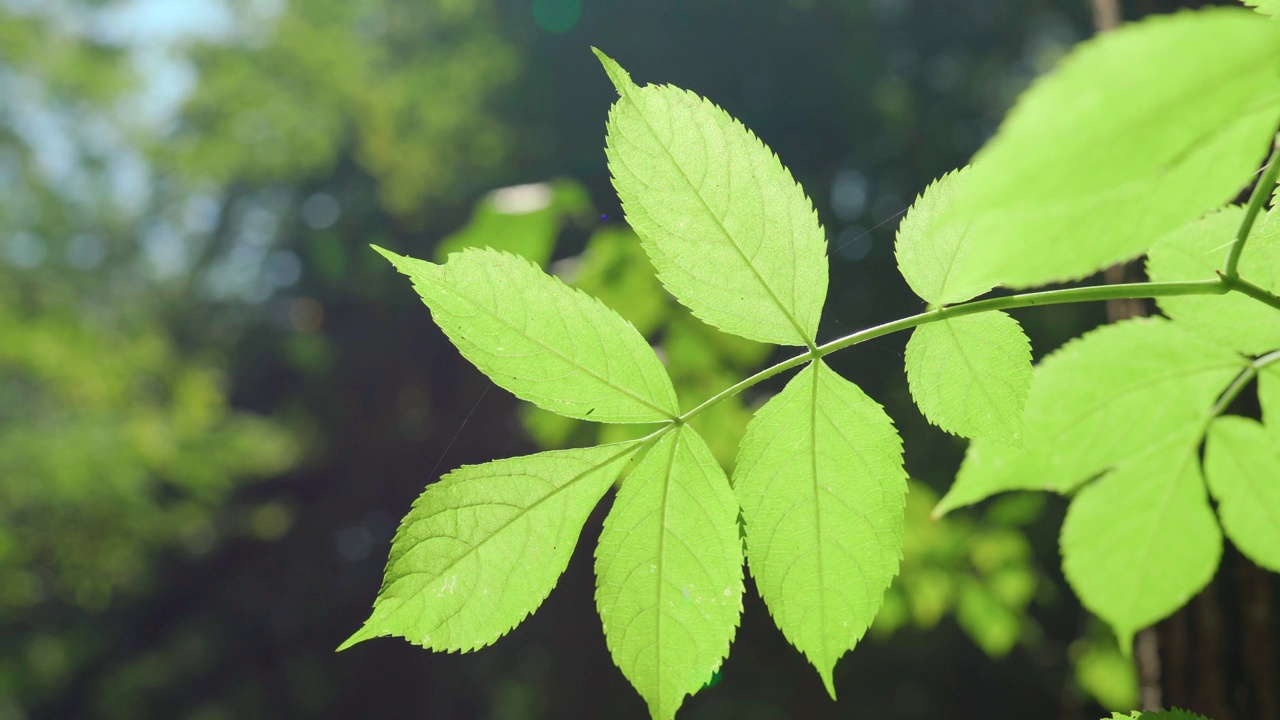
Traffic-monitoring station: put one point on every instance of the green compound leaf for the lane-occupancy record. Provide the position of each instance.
(1242, 465)
(1101, 398)
(554, 346)
(929, 251)
(669, 571)
(1196, 252)
(822, 489)
(1136, 133)
(1140, 542)
(732, 235)
(482, 548)
(970, 375)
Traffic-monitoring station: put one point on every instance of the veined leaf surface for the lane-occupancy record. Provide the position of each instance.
(1136, 133)
(1101, 398)
(928, 251)
(669, 571)
(547, 343)
(822, 489)
(970, 375)
(731, 234)
(483, 547)
(1198, 250)
(1242, 465)
(1140, 542)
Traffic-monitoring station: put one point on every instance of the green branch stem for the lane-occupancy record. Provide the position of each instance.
(1220, 286)
(1261, 192)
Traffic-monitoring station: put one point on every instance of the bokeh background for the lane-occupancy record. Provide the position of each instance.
(216, 402)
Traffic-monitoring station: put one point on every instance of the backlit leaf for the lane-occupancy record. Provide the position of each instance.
(1242, 465)
(545, 342)
(1109, 395)
(928, 251)
(669, 571)
(1140, 542)
(822, 490)
(1196, 252)
(482, 548)
(733, 237)
(1137, 132)
(970, 375)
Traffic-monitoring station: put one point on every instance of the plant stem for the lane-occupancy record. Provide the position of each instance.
(1033, 299)
(1260, 193)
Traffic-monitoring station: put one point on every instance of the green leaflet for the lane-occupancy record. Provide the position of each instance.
(1198, 250)
(523, 220)
(547, 343)
(669, 571)
(1136, 133)
(482, 548)
(970, 375)
(822, 489)
(928, 251)
(1242, 465)
(731, 234)
(1140, 542)
(1106, 396)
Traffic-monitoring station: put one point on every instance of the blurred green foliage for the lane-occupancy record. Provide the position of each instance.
(184, 222)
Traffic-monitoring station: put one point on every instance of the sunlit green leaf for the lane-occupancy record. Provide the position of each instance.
(1137, 132)
(547, 343)
(731, 234)
(821, 485)
(1242, 466)
(669, 571)
(523, 220)
(482, 548)
(970, 375)
(928, 251)
(1140, 542)
(1104, 397)
(1196, 252)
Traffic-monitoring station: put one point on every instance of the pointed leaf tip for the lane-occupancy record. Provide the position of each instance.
(621, 78)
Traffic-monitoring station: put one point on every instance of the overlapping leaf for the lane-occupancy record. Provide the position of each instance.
(970, 375)
(1198, 250)
(545, 342)
(669, 571)
(482, 548)
(928, 251)
(1140, 542)
(1100, 399)
(1135, 133)
(822, 488)
(1242, 466)
(523, 220)
(730, 233)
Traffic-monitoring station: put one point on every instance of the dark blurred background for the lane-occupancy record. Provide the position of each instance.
(216, 402)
